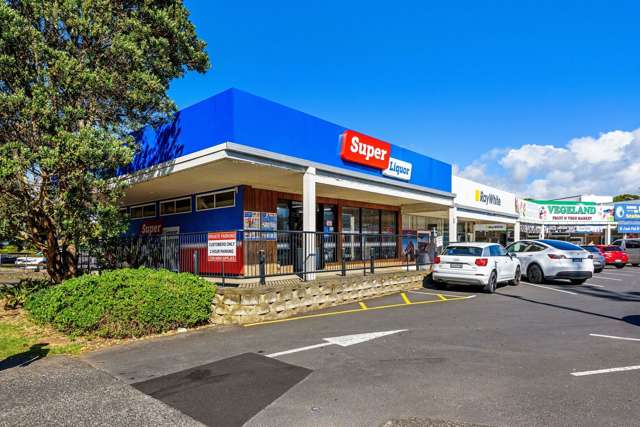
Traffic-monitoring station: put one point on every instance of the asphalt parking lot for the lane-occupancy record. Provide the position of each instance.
(552, 354)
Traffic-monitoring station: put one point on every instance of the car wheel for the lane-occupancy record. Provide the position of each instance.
(635, 265)
(578, 281)
(534, 274)
(493, 282)
(619, 266)
(516, 278)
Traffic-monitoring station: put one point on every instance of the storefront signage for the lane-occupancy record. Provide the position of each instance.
(365, 150)
(398, 169)
(627, 212)
(629, 228)
(268, 222)
(148, 228)
(490, 227)
(578, 229)
(221, 246)
(488, 198)
(572, 211)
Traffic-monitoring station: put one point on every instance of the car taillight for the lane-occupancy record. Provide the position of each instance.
(482, 262)
(556, 256)
(436, 260)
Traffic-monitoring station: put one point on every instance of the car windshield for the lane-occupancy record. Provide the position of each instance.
(563, 246)
(463, 251)
(613, 249)
(591, 249)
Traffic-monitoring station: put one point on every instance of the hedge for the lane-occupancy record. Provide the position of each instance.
(124, 303)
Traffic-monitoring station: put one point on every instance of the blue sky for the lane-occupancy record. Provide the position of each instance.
(454, 80)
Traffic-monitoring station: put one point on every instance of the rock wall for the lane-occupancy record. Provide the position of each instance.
(241, 306)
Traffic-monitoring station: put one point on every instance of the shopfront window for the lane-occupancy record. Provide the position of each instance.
(370, 221)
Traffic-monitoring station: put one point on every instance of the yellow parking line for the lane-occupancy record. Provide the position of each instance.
(442, 297)
(355, 310)
(404, 298)
(363, 305)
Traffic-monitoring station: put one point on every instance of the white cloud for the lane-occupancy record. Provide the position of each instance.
(607, 164)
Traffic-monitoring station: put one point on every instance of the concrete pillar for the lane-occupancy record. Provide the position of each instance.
(542, 231)
(607, 235)
(309, 221)
(516, 231)
(453, 225)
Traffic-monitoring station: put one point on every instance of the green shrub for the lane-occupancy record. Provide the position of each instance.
(124, 303)
(15, 296)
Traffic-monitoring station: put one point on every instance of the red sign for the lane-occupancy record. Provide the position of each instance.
(151, 227)
(221, 246)
(365, 150)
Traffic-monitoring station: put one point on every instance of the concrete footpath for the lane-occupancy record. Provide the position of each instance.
(61, 390)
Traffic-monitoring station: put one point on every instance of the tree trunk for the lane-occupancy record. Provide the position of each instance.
(70, 261)
(54, 261)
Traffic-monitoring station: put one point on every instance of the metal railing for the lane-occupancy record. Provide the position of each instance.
(261, 254)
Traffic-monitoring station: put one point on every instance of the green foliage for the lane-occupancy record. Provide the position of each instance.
(124, 303)
(625, 197)
(76, 79)
(16, 295)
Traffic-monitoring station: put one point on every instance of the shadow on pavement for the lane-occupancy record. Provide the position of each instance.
(35, 352)
(632, 320)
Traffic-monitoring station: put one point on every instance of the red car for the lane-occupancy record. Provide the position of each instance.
(614, 255)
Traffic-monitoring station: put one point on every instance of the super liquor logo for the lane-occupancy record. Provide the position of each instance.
(488, 198)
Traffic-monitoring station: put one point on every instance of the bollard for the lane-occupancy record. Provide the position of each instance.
(261, 261)
(372, 262)
(196, 262)
(344, 267)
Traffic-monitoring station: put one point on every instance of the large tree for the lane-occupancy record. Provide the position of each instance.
(76, 78)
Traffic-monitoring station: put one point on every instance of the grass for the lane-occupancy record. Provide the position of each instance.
(22, 339)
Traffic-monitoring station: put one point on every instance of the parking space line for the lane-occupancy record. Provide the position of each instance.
(363, 305)
(606, 278)
(605, 371)
(405, 298)
(593, 284)
(551, 289)
(432, 293)
(357, 310)
(615, 338)
(442, 297)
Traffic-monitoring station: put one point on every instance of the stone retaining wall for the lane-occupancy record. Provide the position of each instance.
(241, 306)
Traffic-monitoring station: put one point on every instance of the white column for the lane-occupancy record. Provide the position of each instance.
(309, 221)
(516, 231)
(453, 225)
(542, 231)
(607, 235)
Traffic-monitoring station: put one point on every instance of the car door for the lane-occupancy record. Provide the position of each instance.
(499, 260)
(509, 264)
(518, 249)
(632, 247)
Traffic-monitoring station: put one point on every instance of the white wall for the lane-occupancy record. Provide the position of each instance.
(467, 192)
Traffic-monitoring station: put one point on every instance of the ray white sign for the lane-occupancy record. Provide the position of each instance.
(398, 169)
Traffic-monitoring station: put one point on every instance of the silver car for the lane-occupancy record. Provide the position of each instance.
(632, 248)
(598, 259)
(552, 259)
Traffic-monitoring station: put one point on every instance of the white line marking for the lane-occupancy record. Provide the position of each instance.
(605, 371)
(343, 341)
(551, 289)
(615, 338)
(606, 278)
(295, 350)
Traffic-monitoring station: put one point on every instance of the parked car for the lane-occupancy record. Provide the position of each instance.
(597, 257)
(632, 248)
(36, 261)
(552, 259)
(614, 255)
(8, 258)
(485, 264)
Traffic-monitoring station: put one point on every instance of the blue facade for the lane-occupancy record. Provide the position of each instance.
(242, 118)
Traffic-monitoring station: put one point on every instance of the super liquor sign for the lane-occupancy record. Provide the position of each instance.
(368, 151)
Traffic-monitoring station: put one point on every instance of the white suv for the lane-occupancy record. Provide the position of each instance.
(485, 264)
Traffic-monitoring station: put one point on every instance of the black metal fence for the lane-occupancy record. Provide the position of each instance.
(261, 254)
